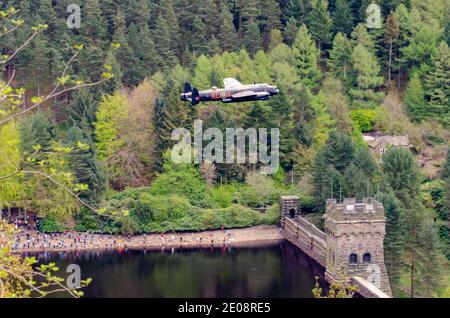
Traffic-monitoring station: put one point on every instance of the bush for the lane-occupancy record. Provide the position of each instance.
(234, 216)
(260, 191)
(365, 119)
(224, 196)
(273, 215)
(50, 225)
(184, 180)
(159, 208)
(87, 221)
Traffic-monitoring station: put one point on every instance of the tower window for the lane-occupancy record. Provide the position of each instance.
(366, 258)
(353, 259)
(292, 213)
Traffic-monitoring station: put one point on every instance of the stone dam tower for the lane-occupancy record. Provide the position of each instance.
(355, 234)
(350, 248)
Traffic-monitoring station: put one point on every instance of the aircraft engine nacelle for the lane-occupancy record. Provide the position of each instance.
(263, 95)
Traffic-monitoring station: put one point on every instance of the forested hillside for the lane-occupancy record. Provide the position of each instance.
(98, 158)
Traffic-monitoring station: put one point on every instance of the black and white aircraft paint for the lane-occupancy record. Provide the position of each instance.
(234, 92)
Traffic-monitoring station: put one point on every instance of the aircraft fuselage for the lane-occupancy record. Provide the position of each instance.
(243, 93)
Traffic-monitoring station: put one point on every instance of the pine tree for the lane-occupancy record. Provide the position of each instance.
(339, 150)
(82, 110)
(94, 25)
(139, 13)
(437, 82)
(327, 182)
(303, 110)
(431, 263)
(290, 31)
(40, 62)
(281, 117)
(337, 104)
(38, 130)
(391, 35)
(227, 34)
(402, 174)
(342, 17)
(367, 72)
(198, 44)
(320, 24)
(446, 178)
(138, 69)
(83, 160)
(340, 57)
(148, 51)
(360, 35)
(276, 38)
(125, 55)
(270, 19)
(166, 55)
(251, 36)
(306, 56)
(393, 239)
(355, 182)
(168, 13)
(415, 98)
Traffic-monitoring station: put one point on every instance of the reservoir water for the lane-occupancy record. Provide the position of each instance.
(275, 271)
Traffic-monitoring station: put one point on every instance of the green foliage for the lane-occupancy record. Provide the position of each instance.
(182, 179)
(85, 165)
(342, 17)
(438, 84)
(393, 240)
(341, 169)
(306, 55)
(415, 98)
(110, 116)
(260, 190)
(365, 119)
(224, 196)
(340, 57)
(320, 23)
(11, 189)
(367, 71)
(402, 174)
(36, 131)
(234, 216)
(50, 225)
(151, 208)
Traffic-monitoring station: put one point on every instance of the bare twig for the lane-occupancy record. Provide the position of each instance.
(11, 117)
(21, 47)
(69, 191)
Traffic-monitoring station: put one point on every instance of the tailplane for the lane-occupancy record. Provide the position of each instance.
(187, 88)
(195, 97)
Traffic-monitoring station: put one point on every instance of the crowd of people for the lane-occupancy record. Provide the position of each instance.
(35, 241)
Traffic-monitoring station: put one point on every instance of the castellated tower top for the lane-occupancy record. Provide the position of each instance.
(355, 233)
(367, 209)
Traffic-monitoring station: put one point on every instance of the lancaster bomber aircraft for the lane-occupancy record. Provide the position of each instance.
(234, 92)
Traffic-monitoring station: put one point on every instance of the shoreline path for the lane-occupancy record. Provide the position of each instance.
(31, 241)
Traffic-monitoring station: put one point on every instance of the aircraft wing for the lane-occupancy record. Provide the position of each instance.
(244, 94)
(231, 83)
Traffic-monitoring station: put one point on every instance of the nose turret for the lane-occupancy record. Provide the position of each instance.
(274, 90)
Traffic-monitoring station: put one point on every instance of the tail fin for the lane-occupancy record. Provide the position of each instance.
(195, 97)
(187, 88)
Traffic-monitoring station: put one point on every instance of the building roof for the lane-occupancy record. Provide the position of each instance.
(396, 141)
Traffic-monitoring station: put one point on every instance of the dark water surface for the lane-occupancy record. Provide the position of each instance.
(275, 271)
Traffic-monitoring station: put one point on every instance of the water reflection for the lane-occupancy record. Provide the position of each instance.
(272, 271)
